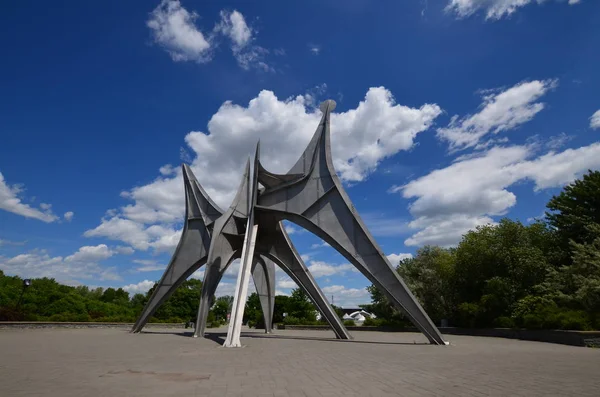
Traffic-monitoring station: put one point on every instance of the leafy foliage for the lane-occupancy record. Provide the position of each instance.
(253, 314)
(222, 307)
(295, 309)
(430, 275)
(47, 300)
(575, 210)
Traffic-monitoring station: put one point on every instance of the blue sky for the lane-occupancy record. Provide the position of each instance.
(451, 114)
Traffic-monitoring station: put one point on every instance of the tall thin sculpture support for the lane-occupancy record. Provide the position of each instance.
(312, 196)
(241, 288)
(263, 274)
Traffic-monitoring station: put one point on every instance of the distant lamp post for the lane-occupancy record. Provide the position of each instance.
(26, 283)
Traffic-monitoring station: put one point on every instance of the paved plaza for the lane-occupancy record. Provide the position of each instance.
(112, 362)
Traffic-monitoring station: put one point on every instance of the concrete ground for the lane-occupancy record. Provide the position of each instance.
(112, 362)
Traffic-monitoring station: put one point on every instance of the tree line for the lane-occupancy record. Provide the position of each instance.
(542, 275)
(47, 300)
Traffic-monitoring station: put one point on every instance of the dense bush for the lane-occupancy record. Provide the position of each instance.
(371, 322)
(504, 322)
(382, 322)
(47, 300)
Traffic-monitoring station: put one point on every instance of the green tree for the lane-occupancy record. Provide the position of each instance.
(47, 300)
(585, 272)
(381, 307)
(182, 306)
(574, 210)
(299, 306)
(138, 301)
(71, 307)
(222, 307)
(430, 276)
(496, 266)
(253, 314)
(281, 307)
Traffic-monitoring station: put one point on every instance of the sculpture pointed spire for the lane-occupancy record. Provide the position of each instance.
(198, 203)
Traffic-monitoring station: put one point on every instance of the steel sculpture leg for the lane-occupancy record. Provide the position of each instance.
(191, 252)
(275, 244)
(241, 288)
(212, 276)
(263, 274)
(164, 289)
(312, 196)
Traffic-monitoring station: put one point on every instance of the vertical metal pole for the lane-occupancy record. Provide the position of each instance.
(241, 287)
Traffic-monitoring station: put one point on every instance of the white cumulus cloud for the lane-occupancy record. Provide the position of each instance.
(137, 234)
(500, 111)
(286, 283)
(124, 250)
(396, 258)
(595, 120)
(320, 245)
(323, 269)
(90, 254)
(493, 9)
(148, 265)
(11, 202)
(84, 264)
(347, 297)
(452, 200)
(174, 28)
(233, 25)
(140, 288)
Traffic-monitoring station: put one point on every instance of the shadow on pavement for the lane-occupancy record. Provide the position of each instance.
(279, 336)
(217, 337)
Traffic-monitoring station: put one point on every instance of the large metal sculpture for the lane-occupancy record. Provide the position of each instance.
(311, 196)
